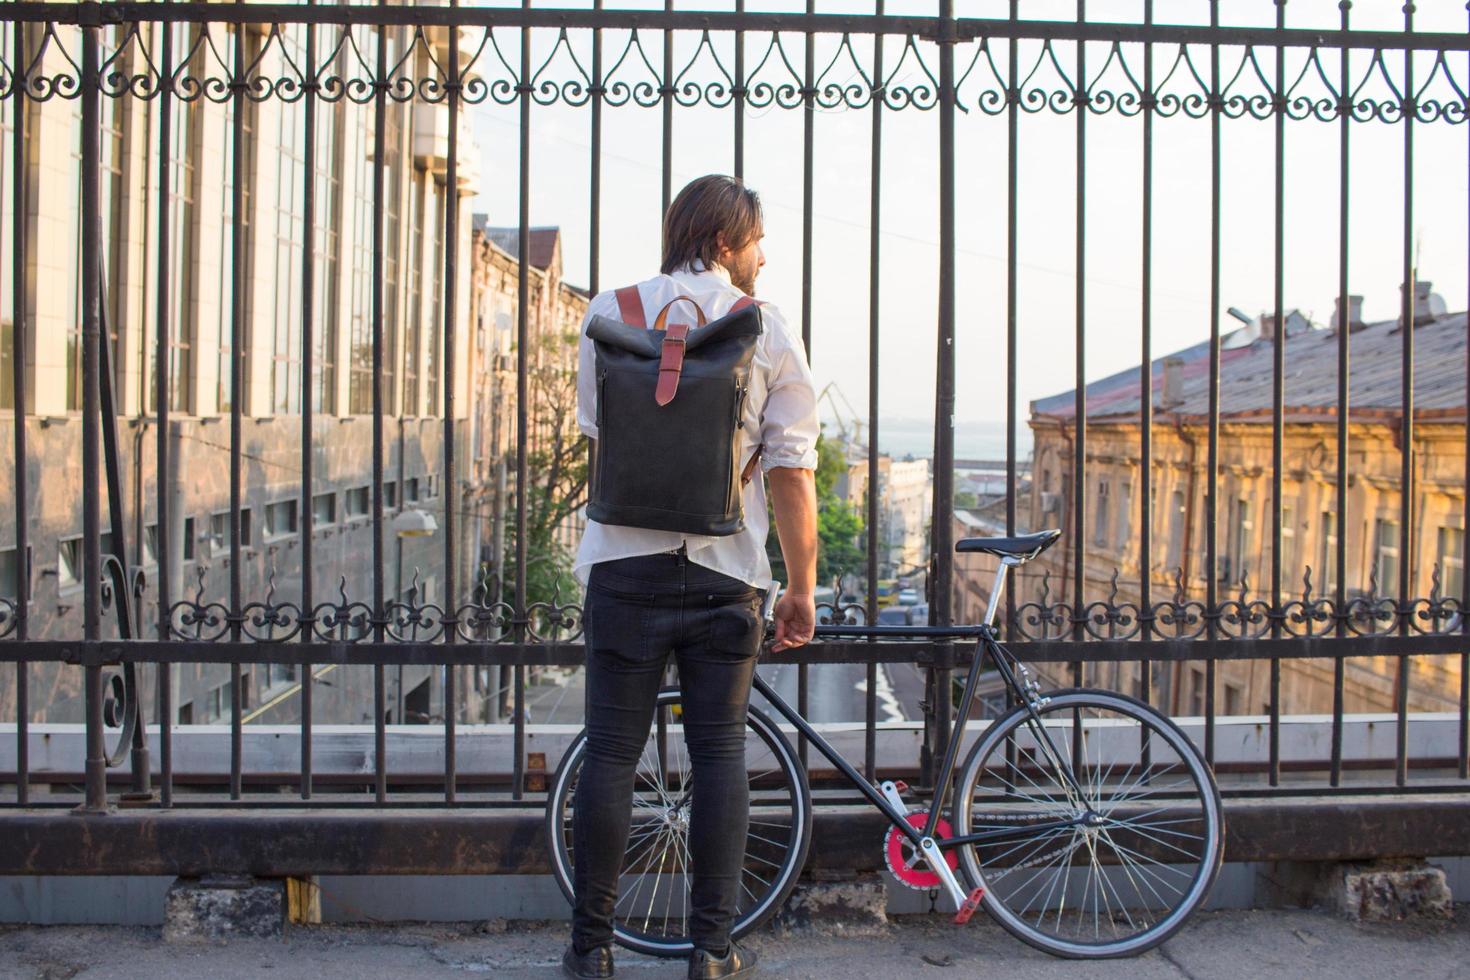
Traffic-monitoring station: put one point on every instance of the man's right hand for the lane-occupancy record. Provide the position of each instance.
(796, 621)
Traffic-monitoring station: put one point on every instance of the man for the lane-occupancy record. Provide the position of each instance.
(651, 593)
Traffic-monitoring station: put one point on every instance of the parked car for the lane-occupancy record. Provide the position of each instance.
(908, 597)
(919, 615)
(894, 616)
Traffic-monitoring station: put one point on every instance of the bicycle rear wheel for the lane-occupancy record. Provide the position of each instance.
(1108, 863)
(653, 892)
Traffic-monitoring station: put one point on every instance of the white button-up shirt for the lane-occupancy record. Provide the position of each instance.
(781, 406)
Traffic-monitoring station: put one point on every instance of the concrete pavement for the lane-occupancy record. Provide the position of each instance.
(1234, 944)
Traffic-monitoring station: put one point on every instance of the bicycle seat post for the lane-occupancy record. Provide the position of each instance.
(1028, 684)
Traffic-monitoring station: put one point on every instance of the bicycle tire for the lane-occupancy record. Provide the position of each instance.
(1129, 863)
(757, 905)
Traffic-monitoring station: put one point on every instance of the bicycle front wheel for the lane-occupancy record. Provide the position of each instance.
(652, 910)
(1102, 825)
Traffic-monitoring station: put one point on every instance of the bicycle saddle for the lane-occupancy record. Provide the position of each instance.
(1024, 547)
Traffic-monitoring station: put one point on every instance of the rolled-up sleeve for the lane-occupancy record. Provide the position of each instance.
(789, 426)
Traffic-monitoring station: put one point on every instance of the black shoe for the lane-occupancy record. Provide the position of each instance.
(738, 962)
(595, 964)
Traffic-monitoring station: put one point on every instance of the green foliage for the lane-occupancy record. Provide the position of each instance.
(841, 542)
(556, 462)
(548, 567)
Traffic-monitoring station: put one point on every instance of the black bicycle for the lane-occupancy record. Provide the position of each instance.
(1085, 822)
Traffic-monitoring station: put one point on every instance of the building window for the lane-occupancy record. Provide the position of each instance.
(7, 221)
(1289, 570)
(184, 140)
(390, 495)
(1234, 698)
(113, 239)
(1451, 562)
(290, 243)
(186, 713)
(359, 125)
(1387, 559)
(225, 385)
(436, 276)
(1196, 692)
(324, 509)
(1176, 530)
(326, 247)
(69, 562)
(219, 530)
(1240, 541)
(280, 518)
(412, 335)
(411, 490)
(357, 502)
(150, 545)
(1125, 516)
(392, 230)
(188, 539)
(1100, 514)
(1327, 570)
(10, 574)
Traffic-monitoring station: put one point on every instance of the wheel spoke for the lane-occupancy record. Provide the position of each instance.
(1104, 884)
(654, 887)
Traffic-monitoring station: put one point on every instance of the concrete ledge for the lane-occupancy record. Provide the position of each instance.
(299, 842)
(223, 908)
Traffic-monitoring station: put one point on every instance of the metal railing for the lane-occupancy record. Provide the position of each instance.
(600, 59)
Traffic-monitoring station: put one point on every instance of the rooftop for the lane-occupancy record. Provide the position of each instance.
(1246, 376)
(508, 239)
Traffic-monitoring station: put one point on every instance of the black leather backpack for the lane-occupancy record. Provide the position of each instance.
(670, 401)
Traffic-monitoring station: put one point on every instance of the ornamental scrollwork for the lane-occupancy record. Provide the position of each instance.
(358, 63)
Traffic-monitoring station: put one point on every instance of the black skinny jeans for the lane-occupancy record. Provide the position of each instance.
(638, 610)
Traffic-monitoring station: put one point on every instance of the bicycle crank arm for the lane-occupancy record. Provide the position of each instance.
(935, 859)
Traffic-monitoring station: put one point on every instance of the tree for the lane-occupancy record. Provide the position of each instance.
(841, 543)
(556, 467)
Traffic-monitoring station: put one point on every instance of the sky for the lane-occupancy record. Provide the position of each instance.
(909, 213)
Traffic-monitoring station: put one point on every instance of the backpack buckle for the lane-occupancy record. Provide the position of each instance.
(671, 363)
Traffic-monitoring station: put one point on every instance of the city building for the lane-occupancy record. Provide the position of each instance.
(206, 340)
(905, 499)
(553, 326)
(1310, 521)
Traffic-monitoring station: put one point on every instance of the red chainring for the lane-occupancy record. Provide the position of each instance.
(898, 850)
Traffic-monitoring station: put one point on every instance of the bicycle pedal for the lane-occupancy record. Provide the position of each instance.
(969, 906)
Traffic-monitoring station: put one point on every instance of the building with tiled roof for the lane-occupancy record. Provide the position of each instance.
(1311, 523)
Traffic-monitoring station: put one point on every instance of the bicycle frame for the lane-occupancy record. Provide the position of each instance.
(924, 840)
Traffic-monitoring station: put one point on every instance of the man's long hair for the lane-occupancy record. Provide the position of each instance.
(704, 210)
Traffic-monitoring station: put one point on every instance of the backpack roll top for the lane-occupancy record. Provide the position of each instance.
(670, 402)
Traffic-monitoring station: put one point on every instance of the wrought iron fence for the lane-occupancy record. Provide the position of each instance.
(734, 61)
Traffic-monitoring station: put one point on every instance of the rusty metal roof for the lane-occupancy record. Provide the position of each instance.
(1375, 358)
(543, 240)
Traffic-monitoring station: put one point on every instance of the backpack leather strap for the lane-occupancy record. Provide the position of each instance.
(630, 307)
(671, 353)
(660, 322)
(670, 363)
(747, 474)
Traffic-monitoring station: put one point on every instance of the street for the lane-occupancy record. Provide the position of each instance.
(1227, 945)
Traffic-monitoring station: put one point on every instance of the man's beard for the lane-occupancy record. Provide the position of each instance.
(744, 279)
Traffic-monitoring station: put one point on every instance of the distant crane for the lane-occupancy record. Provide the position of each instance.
(850, 425)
